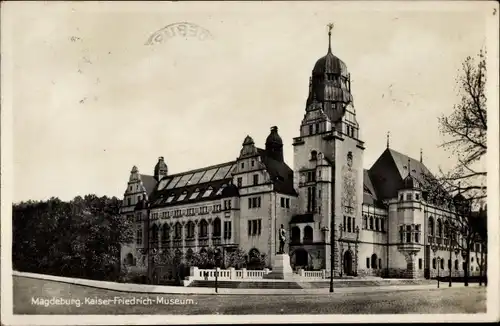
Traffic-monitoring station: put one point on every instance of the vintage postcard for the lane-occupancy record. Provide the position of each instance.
(249, 162)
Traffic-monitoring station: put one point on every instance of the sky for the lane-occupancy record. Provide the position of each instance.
(90, 99)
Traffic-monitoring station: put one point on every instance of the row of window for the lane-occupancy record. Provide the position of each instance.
(295, 235)
(239, 181)
(441, 264)
(285, 202)
(311, 199)
(254, 227)
(349, 224)
(165, 231)
(372, 262)
(373, 223)
(254, 202)
(409, 233)
(350, 131)
(409, 196)
(189, 211)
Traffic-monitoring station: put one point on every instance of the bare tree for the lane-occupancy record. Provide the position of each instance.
(465, 130)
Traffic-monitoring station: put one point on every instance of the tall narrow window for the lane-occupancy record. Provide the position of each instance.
(255, 179)
(239, 182)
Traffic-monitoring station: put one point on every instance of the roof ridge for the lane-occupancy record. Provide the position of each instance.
(202, 169)
(397, 152)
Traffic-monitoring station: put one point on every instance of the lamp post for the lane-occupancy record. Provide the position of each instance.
(332, 246)
(341, 249)
(357, 241)
(434, 250)
(216, 268)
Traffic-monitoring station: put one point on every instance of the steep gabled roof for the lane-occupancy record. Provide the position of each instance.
(281, 174)
(389, 171)
(149, 183)
(369, 193)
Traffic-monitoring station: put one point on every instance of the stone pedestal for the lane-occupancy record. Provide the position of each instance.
(281, 268)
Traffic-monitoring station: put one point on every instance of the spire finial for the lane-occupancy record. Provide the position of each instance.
(409, 169)
(388, 135)
(421, 160)
(330, 27)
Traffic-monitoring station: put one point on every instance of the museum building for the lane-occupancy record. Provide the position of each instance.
(383, 220)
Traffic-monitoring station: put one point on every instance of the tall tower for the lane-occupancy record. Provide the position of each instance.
(328, 155)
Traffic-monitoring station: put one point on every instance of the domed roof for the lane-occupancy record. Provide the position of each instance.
(161, 166)
(330, 64)
(248, 141)
(273, 137)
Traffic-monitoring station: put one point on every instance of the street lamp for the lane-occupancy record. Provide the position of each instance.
(216, 260)
(434, 249)
(357, 241)
(332, 246)
(341, 249)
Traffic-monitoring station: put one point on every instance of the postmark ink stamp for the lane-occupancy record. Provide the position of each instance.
(182, 29)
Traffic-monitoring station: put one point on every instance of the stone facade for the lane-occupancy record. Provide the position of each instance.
(370, 222)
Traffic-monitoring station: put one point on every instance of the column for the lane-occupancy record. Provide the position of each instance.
(196, 234)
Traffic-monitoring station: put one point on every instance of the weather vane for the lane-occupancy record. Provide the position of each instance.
(330, 27)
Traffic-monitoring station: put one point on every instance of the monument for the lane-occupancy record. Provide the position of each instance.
(281, 268)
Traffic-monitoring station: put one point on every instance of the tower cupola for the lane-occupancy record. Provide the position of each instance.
(274, 145)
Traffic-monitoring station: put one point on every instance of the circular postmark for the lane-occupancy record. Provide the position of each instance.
(183, 30)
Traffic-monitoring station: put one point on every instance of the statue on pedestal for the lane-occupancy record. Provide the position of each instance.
(282, 236)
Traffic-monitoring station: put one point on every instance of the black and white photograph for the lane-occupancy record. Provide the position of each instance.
(249, 162)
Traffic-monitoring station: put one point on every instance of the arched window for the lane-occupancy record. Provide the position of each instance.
(456, 264)
(371, 222)
(190, 230)
(442, 263)
(253, 253)
(440, 228)
(295, 238)
(374, 261)
(217, 228)
(178, 231)
(433, 263)
(165, 233)
(129, 260)
(203, 229)
(308, 234)
(431, 226)
(154, 234)
(314, 156)
(446, 229)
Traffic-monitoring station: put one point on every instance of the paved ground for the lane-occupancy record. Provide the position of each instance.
(76, 299)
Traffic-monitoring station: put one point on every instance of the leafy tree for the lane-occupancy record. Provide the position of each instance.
(80, 238)
(236, 258)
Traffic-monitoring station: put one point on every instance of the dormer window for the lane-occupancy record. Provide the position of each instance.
(195, 194)
(219, 192)
(182, 196)
(170, 198)
(314, 156)
(208, 192)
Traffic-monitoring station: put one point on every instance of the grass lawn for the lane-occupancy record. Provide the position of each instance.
(454, 300)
